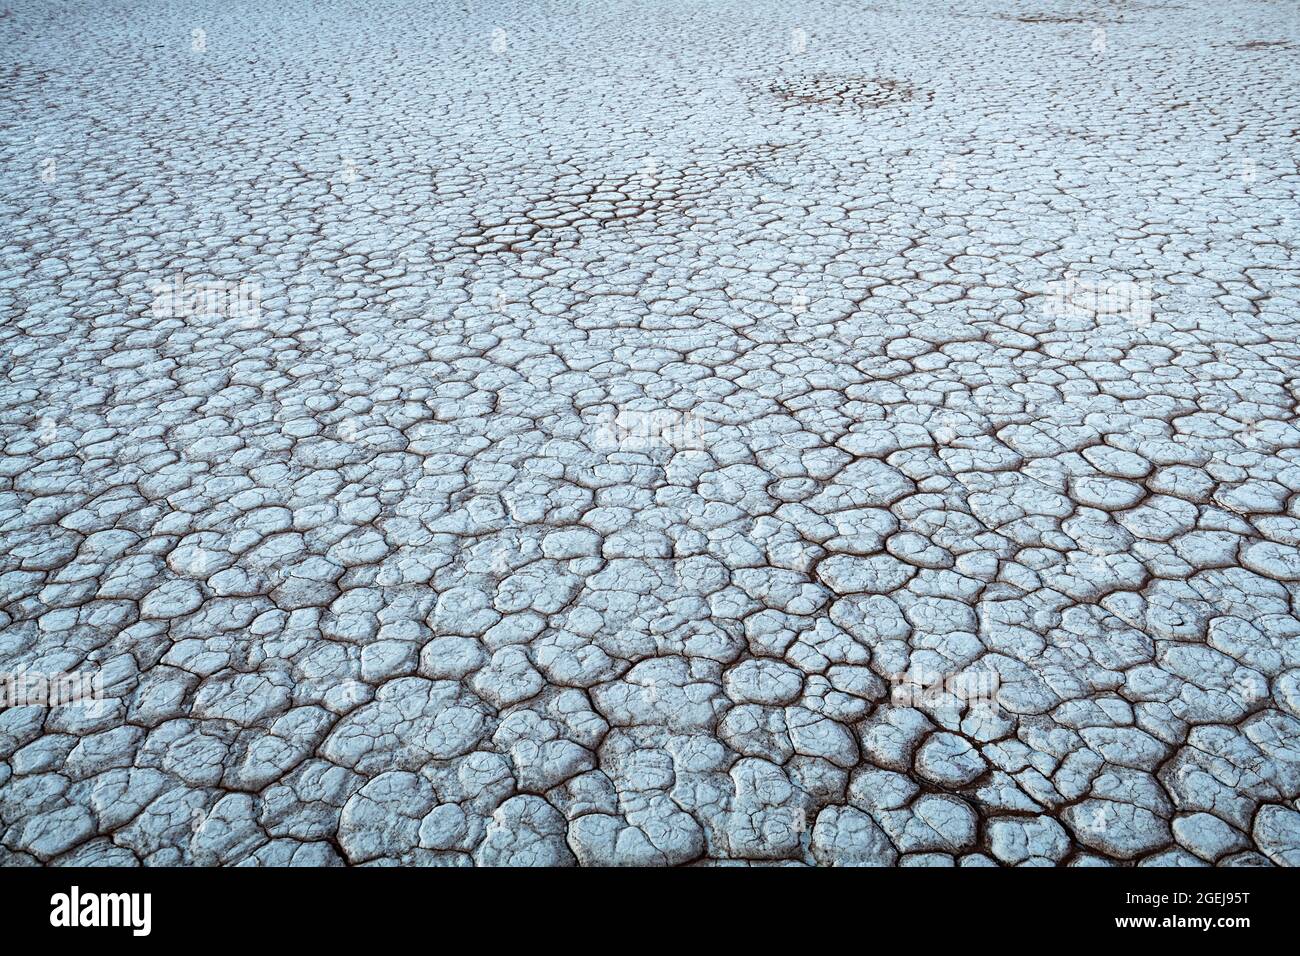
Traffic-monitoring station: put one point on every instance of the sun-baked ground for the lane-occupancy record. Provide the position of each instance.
(650, 432)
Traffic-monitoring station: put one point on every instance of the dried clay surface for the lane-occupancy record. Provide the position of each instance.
(568, 433)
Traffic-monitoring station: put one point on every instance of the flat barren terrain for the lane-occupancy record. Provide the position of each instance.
(682, 431)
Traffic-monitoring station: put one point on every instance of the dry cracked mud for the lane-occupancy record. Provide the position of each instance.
(650, 433)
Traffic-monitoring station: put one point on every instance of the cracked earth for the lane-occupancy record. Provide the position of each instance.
(658, 436)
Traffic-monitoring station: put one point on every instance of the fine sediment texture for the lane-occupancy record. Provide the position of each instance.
(513, 433)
